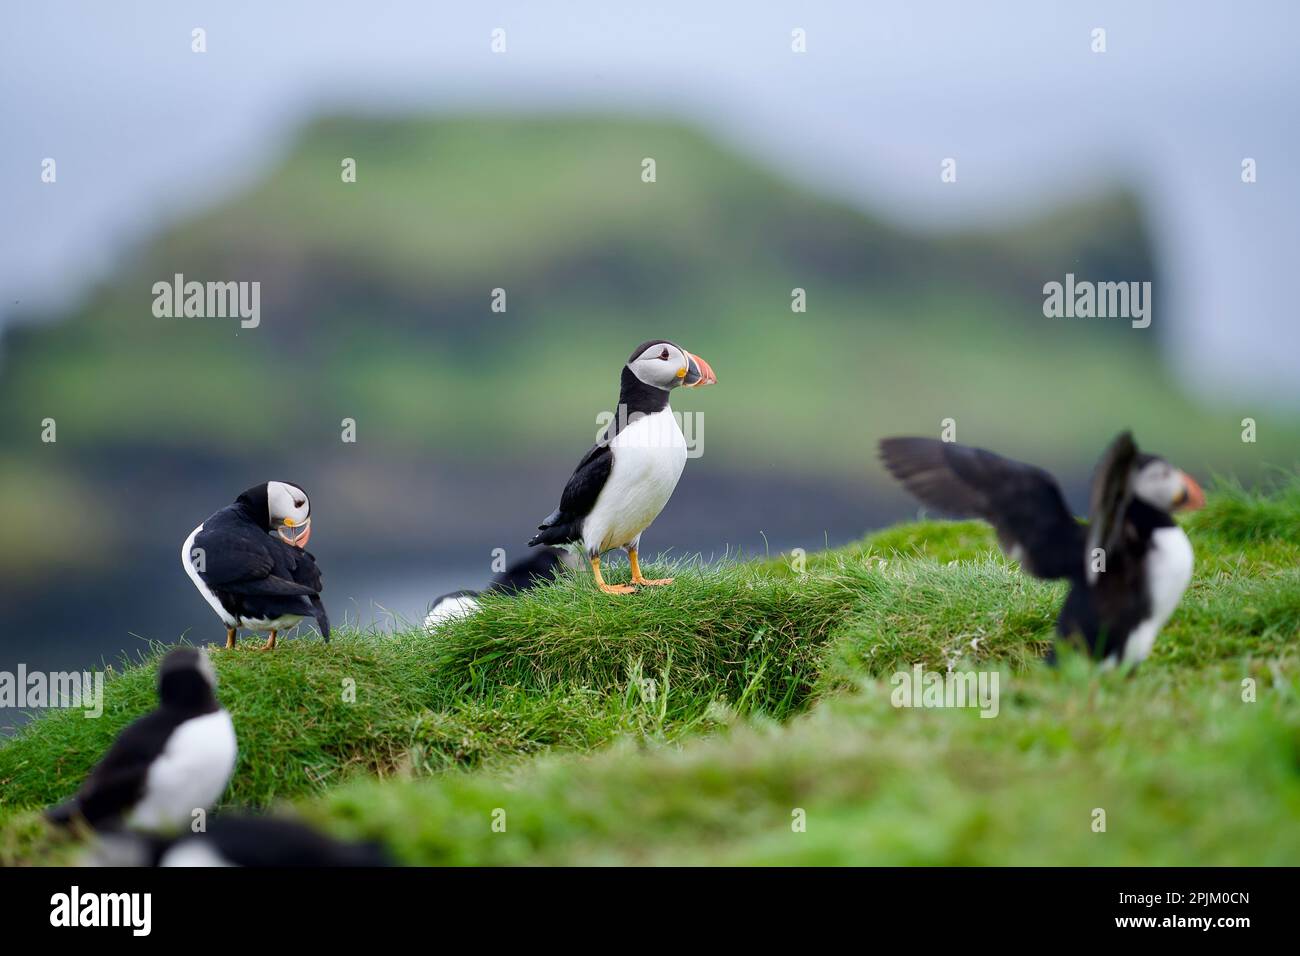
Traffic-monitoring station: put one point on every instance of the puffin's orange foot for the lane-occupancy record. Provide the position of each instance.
(270, 643)
(608, 588)
(635, 560)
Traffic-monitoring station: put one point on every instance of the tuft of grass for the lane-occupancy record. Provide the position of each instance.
(984, 612)
(728, 631)
(1246, 517)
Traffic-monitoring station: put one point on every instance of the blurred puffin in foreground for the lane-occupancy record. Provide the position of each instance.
(624, 481)
(249, 563)
(238, 840)
(538, 567)
(1128, 568)
(166, 765)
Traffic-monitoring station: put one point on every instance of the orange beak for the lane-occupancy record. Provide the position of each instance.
(1193, 497)
(296, 536)
(698, 372)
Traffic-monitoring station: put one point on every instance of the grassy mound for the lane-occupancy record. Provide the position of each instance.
(689, 723)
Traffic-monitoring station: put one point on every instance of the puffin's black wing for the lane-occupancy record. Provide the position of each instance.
(251, 562)
(538, 567)
(1110, 497)
(1023, 503)
(118, 780)
(564, 524)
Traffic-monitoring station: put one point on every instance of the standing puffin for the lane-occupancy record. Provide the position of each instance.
(251, 578)
(166, 765)
(624, 481)
(537, 568)
(1127, 568)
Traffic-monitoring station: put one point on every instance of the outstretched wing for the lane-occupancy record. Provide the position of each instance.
(1110, 498)
(1023, 503)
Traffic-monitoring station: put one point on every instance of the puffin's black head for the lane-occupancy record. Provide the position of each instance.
(664, 365)
(186, 680)
(1163, 486)
(280, 507)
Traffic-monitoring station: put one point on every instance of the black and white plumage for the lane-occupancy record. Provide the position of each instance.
(1147, 558)
(624, 481)
(450, 606)
(166, 765)
(239, 840)
(538, 567)
(250, 564)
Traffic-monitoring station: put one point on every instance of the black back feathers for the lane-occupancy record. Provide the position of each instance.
(538, 567)
(244, 840)
(239, 840)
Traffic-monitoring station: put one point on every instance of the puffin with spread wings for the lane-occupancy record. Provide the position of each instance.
(627, 477)
(1128, 568)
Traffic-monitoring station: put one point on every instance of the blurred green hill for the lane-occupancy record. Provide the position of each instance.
(375, 305)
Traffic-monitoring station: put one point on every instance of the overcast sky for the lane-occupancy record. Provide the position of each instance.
(143, 130)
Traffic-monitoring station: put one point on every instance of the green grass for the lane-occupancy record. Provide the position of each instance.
(687, 724)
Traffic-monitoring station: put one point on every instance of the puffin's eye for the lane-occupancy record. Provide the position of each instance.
(299, 504)
(664, 355)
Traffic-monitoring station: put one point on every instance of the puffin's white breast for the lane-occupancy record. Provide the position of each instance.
(1169, 571)
(649, 455)
(190, 774)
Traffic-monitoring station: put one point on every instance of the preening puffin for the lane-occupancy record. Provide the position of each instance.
(239, 840)
(1128, 567)
(166, 765)
(252, 578)
(624, 481)
(528, 572)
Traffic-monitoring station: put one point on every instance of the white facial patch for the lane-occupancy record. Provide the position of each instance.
(1159, 484)
(653, 368)
(286, 501)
